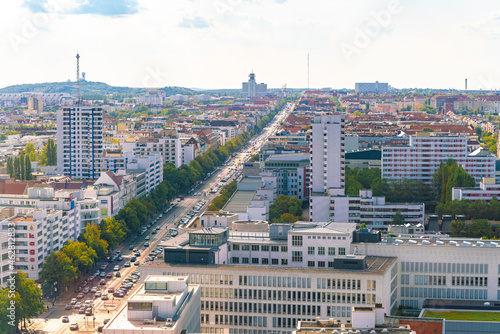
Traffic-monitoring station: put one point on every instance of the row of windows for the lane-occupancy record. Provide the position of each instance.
(455, 268)
(263, 248)
(284, 309)
(275, 281)
(320, 297)
(255, 260)
(311, 250)
(444, 293)
(208, 278)
(469, 281)
(235, 320)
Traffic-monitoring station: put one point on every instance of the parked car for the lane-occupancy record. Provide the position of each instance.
(111, 289)
(127, 264)
(88, 311)
(147, 238)
(68, 307)
(133, 258)
(81, 310)
(103, 274)
(118, 274)
(102, 282)
(104, 297)
(65, 319)
(146, 244)
(116, 268)
(86, 290)
(109, 275)
(73, 301)
(78, 305)
(73, 327)
(93, 290)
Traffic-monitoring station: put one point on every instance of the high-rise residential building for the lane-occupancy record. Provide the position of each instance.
(371, 87)
(252, 88)
(327, 175)
(425, 152)
(80, 141)
(35, 104)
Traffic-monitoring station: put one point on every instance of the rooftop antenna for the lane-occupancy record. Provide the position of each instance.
(78, 78)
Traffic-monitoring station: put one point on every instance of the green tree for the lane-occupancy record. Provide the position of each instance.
(448, 176)
(10, 166)
(479, 228)
(111, 231)
(458, 229)
(17, 170)
(57, 267)
(427, 129)
(30, 151)
(81, 255)
(288, 218)
(398, 219)
(92, 237)
(31, 304)
(28, 173)
(9, 323)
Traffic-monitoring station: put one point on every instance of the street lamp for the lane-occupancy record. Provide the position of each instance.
(55, 292)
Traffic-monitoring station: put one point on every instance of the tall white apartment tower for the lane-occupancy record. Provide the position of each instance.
(327, 169)
(79, 141)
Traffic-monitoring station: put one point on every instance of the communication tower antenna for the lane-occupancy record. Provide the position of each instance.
(308, 70)
(78, 78)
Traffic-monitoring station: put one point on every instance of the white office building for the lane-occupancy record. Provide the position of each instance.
(373, 211)
(151, 165)
(425, 152)
(162, 305)
(252, 88)
(80, 141)
(257, 281)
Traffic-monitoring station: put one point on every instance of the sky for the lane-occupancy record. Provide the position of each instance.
(213, 44)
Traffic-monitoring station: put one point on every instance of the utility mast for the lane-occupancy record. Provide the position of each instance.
(78, 101)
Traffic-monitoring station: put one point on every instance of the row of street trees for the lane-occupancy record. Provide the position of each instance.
(19, 167)
(225, 194)
(77, 257)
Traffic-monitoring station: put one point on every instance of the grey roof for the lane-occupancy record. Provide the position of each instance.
(481, 152)
(240, 200)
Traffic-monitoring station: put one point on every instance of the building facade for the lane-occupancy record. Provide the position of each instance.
(424, 154)
(371, 87)
(80, 141)
(252, 88)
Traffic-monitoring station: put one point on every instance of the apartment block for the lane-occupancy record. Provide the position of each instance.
(151, 165)
(80, 141)
(165, 142)
(4, 258)
(425, 152)
(38, 233)
(488, 188)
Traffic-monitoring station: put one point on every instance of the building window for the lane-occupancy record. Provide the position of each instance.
(284, 262)
(236, 260)
(284, 249)
(265, 248)
(321, 264)
(310, 263)
(274, 261)
(330, 264)
(255, 247)
(255, 260)
(275, 248)
(296, 256)
(310, 250)
(296, 240)
(331, 250)
(244, 260)
(321, 250)
(236, 247)
(341, 251)
(245, 247)
(265, 261)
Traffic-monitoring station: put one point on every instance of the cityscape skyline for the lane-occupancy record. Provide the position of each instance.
(143, 42)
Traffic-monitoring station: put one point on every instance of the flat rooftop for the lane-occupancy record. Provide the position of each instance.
(442, 242)
(240, 200)
(121, 322)
(375, 265)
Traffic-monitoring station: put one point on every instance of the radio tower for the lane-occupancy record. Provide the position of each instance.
(78, 101)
